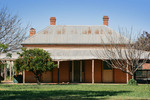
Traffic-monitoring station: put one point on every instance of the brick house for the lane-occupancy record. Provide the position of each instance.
(70, 47)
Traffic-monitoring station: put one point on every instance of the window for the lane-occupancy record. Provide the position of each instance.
(106, 66)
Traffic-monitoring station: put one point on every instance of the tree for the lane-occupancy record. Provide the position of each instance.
(11, 31)
(35, 60)
(143, 42)
(122, 52)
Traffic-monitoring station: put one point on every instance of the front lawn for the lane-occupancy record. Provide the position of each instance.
(82, 91)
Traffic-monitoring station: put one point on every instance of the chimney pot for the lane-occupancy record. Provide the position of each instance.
(105, 20)
(32, 31)
(52, 20)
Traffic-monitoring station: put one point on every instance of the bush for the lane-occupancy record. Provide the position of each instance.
(132, 82)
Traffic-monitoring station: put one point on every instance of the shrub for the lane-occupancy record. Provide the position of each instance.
(132, 82)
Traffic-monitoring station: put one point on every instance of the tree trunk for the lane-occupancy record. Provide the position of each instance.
(37, 78)
(133, 76)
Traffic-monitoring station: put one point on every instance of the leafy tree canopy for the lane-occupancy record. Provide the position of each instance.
(35, 60)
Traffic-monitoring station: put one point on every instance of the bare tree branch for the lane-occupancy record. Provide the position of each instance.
(130, 55)
(11, 30)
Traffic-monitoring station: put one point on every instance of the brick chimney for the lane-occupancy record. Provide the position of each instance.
(32, 32)
(105, 20)
(52, 21)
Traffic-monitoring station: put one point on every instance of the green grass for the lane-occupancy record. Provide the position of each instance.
(76, 92)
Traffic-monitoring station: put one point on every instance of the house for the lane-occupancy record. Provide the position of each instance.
(70, 47)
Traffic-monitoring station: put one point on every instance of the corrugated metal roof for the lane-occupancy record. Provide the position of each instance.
(76, 34)
(4, 57)
(84, 54)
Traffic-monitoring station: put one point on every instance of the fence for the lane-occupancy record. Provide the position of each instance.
(143, 76)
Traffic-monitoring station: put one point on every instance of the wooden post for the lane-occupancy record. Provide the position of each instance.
(24, 76)
(80, 71)
(5, 72)
(72, 71)
(13, 69)
(10, 71)
(127, 74)
(92, 71)
(58, 73)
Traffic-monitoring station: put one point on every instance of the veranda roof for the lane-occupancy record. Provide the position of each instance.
(82, 54)
(58, 54)
(4, 57)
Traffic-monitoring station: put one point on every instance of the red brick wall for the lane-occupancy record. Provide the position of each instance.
(97, 71)
(88, 71)
(46, 77)
(64, 71)
(54, 75)
(62, 46)
(29, 77)
(130, 77)
(146, 66)
(119, 76)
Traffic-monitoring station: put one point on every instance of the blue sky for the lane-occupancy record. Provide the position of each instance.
(122, 13)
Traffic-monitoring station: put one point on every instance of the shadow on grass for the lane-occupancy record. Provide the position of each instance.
(58, 94)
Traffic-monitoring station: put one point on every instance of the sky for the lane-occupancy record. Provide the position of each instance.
(122, 13)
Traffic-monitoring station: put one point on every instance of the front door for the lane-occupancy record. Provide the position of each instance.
(77, 71)
(107, 73)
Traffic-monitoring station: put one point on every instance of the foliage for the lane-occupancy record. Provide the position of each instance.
(132, 82)
(2, 64)
(35, 60)
(3, 47)
(9, 55)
